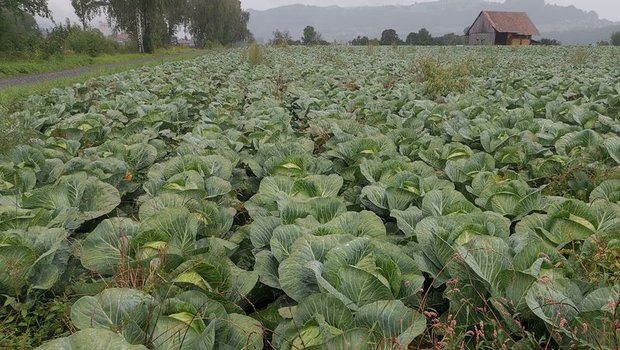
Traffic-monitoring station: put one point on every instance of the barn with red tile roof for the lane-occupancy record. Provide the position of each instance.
(502, 28)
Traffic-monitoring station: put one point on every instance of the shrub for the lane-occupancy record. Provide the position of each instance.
(90, 42)
(255, 54)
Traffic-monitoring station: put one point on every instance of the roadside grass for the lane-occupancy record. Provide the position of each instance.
(16, 66)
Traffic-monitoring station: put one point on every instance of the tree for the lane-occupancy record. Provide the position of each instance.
(412, 39)
(175, 16)
(311, 37)
(281, 38)
(389, 37)
(17, 7)
(85, 10)
(152, 22)
(137, 17)
(360, 41)
(18, 32)
(424, 37)
(220, 21)
(548, 42)
(615, 38)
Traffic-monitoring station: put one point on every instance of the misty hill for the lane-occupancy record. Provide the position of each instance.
(567, 23)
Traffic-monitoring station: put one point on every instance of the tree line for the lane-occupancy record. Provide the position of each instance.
(388, 37)
(421, 37)
(309, 37)
(154, 22)
(150, 23)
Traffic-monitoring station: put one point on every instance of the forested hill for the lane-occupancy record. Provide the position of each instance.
(566, 23)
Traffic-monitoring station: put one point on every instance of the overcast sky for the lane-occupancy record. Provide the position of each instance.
(609, 9)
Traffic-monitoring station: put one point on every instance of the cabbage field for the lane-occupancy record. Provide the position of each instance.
(319, 198)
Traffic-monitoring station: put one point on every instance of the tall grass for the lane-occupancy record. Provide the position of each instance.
(255, 54)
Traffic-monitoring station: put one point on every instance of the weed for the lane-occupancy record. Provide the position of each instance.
(25, 325)
(580, 56)
(598, 260)
(443, 79)
(255, 54)
(14, 132)
(370, 49)
(578, 178)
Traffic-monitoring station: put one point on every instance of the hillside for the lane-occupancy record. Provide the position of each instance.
(439, 17)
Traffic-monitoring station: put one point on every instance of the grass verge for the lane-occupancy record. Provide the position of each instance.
(14, 67)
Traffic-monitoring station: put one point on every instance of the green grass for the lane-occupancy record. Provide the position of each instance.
(12, 67)
(12, 97)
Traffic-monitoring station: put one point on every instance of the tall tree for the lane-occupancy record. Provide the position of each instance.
(424, 37)
(311, 36)
(615, 39)
(359, 41)
(85, 10)
(175, 16)
(18, 32)
(33, 7)
(217, 20)
(137, 17)
(412, 39)
(389, 37)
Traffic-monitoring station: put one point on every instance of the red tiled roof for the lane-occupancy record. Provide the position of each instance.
(510, 22)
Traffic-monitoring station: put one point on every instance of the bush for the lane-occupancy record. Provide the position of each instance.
(255, 54)
(90, 42)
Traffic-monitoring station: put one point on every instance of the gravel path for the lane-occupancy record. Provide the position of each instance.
(36, 78)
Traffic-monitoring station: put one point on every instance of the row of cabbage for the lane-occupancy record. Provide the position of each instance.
(321, 200)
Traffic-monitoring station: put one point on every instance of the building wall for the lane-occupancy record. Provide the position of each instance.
(520, 40)
(482, 38)
(481, 32)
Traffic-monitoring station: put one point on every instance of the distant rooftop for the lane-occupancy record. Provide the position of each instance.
(511, 22)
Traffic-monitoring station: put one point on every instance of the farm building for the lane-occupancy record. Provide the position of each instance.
(502, 28)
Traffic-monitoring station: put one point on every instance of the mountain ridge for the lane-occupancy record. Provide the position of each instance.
(565, 23)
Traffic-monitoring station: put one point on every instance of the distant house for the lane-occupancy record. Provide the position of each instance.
(121, 38)
(502, 28)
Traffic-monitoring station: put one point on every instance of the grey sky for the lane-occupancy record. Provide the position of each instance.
(608, 9)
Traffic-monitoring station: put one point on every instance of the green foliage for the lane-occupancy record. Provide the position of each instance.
(549, 42)
(338, 203)
(360, 41)
(90, 42)
(22, 39)
(255, 54)
(422, 37)
(27, 325)
(220, 20)
(19, 7)
(311, 37)
(389, 37)
(615, 39)
(19, 33)
(14, 132)
(281, 38)
(443, 79)
(580, 56)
